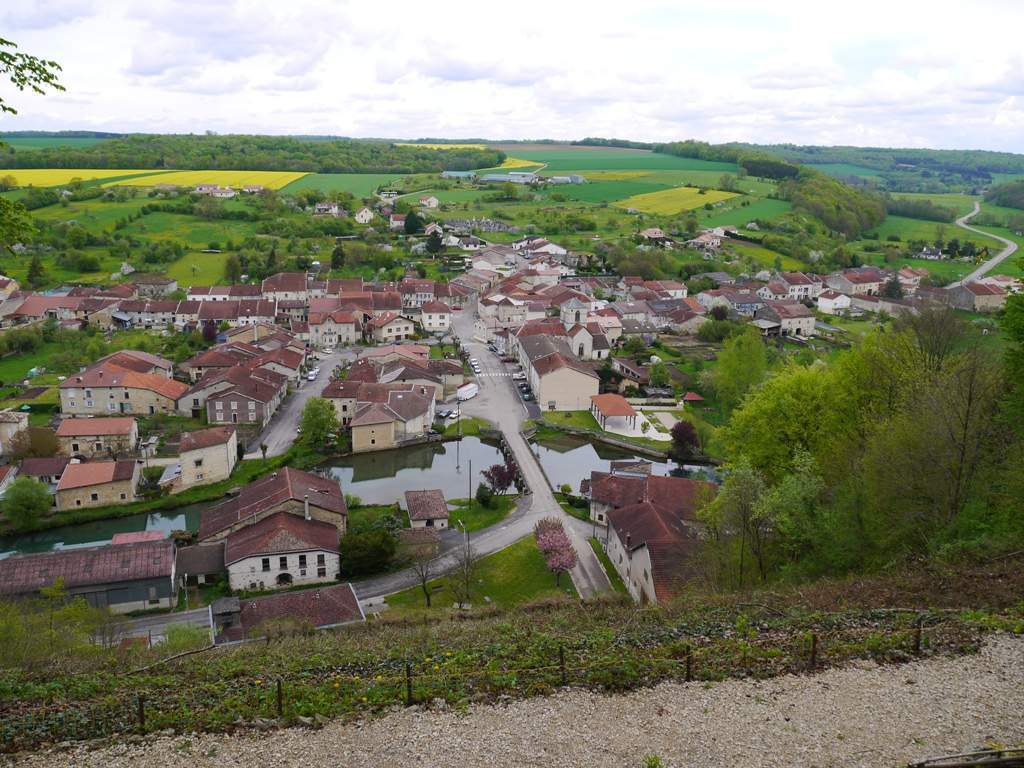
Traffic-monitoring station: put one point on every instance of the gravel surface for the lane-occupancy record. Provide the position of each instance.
(861, 715)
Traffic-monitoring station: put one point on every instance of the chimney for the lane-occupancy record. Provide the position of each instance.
(305, 505)
(628, 537)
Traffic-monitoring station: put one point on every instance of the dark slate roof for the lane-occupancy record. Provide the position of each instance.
(323, 607)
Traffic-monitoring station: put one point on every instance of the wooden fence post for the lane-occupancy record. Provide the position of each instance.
(561, 662)
(917, 635)
(814, 650)
(142, 713)
(408, 684)
(689, 663)
(280, 698)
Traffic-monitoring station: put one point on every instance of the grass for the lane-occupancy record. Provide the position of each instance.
(574, 419)
(269, 179)
(672, 201)
(16, 367)
(513, 576)
(188, 229)
(364, 516)
(847, 169)
(739, 216)
(471, 426)
(19, 143)
(476, 517)
(198, 268)
(567, 158)
(358, 184)
(763, 258)
(960, 203)
(618, 585)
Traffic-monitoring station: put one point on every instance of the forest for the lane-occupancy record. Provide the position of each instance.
(1010, 195)
(909, 446)
(255, 153)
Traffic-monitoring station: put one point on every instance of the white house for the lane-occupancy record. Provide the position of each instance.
(429, 201)
(435, 316)
(833, 303)
(281, 550)
(364, 216)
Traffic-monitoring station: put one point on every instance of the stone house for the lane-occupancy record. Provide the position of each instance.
(207, 456)
(98, 484)
(282, 550)
(102, 436)
(389, 327)
(106, 389)
(435, 316)
(426, 509)
(12, 424)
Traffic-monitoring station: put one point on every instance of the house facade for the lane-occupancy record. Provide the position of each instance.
(282, 550)
(98, 484)
(207, 456)
(86, 438)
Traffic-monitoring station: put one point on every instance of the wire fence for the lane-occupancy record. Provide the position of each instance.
(217, 705)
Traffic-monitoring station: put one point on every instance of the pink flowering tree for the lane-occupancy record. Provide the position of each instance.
(556, 546)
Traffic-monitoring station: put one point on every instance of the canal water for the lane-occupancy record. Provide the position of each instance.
(376, 478)
(382, 478)
(570, 459)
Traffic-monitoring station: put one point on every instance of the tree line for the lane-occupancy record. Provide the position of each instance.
(265, 153)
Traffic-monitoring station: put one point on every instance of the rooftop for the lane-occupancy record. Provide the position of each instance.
(426, 505)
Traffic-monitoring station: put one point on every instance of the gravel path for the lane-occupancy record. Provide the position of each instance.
(861, 715)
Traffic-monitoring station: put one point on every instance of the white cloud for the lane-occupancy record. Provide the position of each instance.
(800, 71)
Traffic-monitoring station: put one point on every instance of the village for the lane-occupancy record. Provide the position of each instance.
(518, 335)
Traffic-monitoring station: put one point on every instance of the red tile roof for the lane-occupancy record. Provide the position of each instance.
(612, 405)
(24, 574)
(205, 438)
(278, 533)
(426, 505)
(260, 495)
(95, 473)
(323, 607)
(116, 425)
(39, 467)
(134, 537)
(109, 375)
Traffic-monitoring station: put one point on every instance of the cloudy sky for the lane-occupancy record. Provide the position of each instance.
(893, 73)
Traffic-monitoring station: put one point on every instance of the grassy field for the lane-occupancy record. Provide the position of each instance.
(960, 203)
(672, 201)
(198, 269)
(440, 146)
(269, 179)
(764, 258)
(739, 216)
(52, 177)
(15, 367)
(45, 142)
(516, 162)
(475, 517)
(513, 576)
(583, 159)
(918, 229)
(188, 229)
(358, 184)
(1015, 264)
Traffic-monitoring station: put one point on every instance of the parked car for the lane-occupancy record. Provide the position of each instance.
(474, 361)
(328, 351)
(527, 396)
(311, 376)
(518, 376)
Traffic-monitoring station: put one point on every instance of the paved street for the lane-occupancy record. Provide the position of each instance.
(280, 433)
(1009, 249)
(156, 626)
(499, 403)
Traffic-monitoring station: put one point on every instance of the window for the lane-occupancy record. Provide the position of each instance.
(72, 402)
(252, 406)
(266, 563)
(88, 393)
(284, 563)
(94, 496)
(88, 403)
(78, 502)
(320, 559)
(153, 599)
(234, 405)
(302, 561)
(647, 576)
(74, 446)
(220, 406)
(198, 463)
(321, 572)
(125, 394)
(195, 402)
(123, 497)
(97, 446)
(111, 407)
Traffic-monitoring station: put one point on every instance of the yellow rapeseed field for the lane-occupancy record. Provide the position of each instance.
(613, 175)
(518, 162)
(269, 179)
(443, 146)
(52, 177)
(670, 201)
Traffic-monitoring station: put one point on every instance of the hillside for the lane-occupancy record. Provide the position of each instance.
(863, 714)
(493, 655)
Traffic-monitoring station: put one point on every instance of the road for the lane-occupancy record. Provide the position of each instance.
(280, 433)
(499, 403)
(995, 261)
(156, 626)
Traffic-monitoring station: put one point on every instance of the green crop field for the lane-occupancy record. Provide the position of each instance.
(198, 269)
(583, 159)
(1001, 212)
(918, 229)
(764, 258)
(93, 215)
(604, 191)
(358, 184)
(846, 169)
(741, 215)
(19, 143)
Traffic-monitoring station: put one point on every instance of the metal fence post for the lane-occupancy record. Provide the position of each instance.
(917, 635)
(814, 650)
(689, 663)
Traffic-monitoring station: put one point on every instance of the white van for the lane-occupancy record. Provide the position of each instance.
(467, 391)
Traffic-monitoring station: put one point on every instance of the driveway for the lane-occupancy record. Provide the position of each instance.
(1009, 249)
(280, 433)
